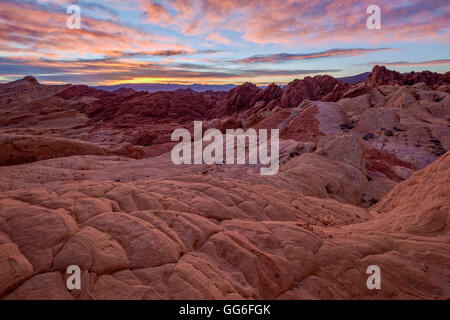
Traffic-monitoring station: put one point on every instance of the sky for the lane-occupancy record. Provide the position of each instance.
(218, 41)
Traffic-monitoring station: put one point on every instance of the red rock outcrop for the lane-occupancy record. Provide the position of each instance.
(271, 92)
(26, 90)
(124, 91)
(237, 99)
(19, 149)
(380, 75)
(323, 88)
(142, 107)
(78, 91)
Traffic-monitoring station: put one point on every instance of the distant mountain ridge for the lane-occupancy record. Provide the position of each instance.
(378, 76)
(154, 87)
(356, 78)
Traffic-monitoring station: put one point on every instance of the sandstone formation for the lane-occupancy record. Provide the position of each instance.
(382, 76)
(323, 88)
(364, 179)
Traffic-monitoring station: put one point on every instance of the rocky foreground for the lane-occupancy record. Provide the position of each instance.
(87, 180)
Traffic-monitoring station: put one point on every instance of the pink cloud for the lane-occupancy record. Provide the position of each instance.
(414, 64)
(313, 22)
(38, 34)
(156, 13)
(44, 34)
(217, 37)
(280, 57)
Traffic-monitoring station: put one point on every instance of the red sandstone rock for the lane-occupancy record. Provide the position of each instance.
(78, 91)
(124, 91)
(272, 92)
(382, 76)
(147, 229)
(237, 99)
(324, 88)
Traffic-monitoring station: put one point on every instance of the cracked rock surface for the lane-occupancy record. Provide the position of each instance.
(198, 236)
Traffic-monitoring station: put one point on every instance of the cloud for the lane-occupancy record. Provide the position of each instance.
(208, 51)
(156, 13)
(282, 57)
(147, 38)
(98, 9)
(93, 71)
(40, 30)
(311, 22)
(216, 37)
(160, 53)
(412, 64)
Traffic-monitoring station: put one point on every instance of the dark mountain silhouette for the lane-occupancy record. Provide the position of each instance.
(154, 87)
(356, 78)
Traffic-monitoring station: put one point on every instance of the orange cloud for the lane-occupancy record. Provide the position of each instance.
(156, 13)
